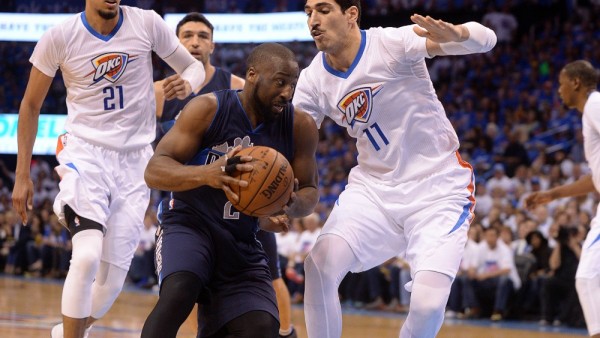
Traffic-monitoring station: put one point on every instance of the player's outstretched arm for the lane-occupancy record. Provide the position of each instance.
(167, 170)
(29, 113)
(582, 186)
(444, 38)
(306, 138)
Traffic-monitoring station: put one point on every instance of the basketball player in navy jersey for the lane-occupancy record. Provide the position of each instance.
(207, 250)
(195, 32)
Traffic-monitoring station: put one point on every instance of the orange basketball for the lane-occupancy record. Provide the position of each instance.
(270, 183)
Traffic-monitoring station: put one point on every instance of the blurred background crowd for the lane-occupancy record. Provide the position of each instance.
(506, 111)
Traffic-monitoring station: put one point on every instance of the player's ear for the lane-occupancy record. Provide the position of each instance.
(352, 14)
(251, 74)
(576, 83)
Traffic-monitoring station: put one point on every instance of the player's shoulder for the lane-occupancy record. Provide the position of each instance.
(302, 118)
(67, 24)
(138, 15)
(385, 33)
(313, 70)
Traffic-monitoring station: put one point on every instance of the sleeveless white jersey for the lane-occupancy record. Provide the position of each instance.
(110, 96)
(591, 139)
(387, 102)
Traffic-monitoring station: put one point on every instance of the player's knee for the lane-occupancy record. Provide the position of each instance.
(180, 288)
(427, 301)
(86, 260)
(263, 325)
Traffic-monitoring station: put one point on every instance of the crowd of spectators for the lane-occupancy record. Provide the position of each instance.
(513, 129)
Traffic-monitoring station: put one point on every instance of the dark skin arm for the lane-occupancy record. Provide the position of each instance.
(306, 194)
(29, 113)
(166, 169)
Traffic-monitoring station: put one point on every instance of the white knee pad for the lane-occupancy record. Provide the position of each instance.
(430, 291)
(106, 288)
(85, 260)
(588, 290)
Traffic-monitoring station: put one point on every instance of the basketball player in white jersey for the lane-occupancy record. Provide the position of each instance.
(578, 82)
(410, 194)
(104, 54)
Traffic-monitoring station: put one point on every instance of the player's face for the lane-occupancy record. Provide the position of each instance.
(566, 89)
(106, 9)
(275, 87)
(197, 38)
(327, 23)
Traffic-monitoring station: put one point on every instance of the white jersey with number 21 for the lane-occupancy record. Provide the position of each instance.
(110, 97)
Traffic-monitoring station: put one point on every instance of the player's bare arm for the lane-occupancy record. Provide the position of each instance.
(444, 38)
(159, 96)
(306, 137)
(29, 112)
(582, 186)
(167, 170)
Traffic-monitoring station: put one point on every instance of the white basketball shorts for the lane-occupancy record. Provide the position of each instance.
(108, 187)
(589, 262)
(424, 221)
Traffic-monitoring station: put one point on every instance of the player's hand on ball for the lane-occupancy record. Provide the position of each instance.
(225, 166)
(289, 208)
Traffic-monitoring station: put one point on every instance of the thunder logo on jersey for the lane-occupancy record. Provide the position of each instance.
(358, 104)
(110, 66)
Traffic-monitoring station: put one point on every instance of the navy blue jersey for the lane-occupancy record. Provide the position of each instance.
(229, 128)
(221, 80)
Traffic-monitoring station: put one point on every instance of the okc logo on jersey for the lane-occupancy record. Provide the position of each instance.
(110, 66)
(358, 104)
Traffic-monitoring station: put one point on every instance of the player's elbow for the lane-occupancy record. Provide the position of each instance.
(151, 176)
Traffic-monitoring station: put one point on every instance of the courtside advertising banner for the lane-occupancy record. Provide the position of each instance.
(49, 128)
(246, 28)
(26, 26)
(229, 28)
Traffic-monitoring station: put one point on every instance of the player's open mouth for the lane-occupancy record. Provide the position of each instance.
(278, 108)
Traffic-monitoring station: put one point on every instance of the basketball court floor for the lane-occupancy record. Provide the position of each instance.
(30, 307)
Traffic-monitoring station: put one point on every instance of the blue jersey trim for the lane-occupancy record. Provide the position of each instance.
(346, 74)
(462, 218)
(98, 35)
(71, 165)
(259, 126)
(595, 240)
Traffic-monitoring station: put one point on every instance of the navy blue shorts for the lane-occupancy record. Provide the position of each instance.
(233, 273)
(269, 243)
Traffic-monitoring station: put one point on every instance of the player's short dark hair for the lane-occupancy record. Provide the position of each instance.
(263, 53)
(195, 17)
(345, 4)
(584, 71)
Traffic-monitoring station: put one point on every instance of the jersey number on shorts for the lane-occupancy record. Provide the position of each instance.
(376, 141)
(111, 100)
(227, 214)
